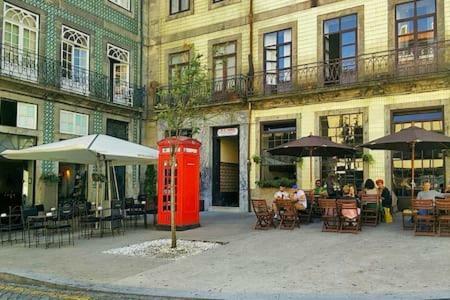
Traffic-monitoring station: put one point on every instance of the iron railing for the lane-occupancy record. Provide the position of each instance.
(209, 92)
(386, 66)
(375, 67)
(28, 66)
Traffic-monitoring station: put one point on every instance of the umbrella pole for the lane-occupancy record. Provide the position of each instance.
(115, 182)
(108, 179)
(413, 184)
(310, 169)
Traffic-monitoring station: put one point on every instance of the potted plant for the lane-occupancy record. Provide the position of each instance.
(50, 177)
(256, 159)
(368, 158)
(98, 177)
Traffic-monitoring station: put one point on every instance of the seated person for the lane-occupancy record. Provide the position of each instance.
(348, 191)
(281, 194)
(319, 190)
(386, 198)
(300, 197)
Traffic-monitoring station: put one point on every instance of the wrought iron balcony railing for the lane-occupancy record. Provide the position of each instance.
(27, 66)
(209, 92)
(376, 67)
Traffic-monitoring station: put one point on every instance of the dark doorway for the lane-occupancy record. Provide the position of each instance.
(226, 167)
(119, 130)
(11, 183)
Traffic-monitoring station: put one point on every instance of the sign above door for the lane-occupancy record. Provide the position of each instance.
(222, 132)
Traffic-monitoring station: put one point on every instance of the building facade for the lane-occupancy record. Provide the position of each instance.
(68, 69)
(349, 70)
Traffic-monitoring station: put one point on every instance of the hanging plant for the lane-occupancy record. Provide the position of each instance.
(256, 159)
(50, 177)
(368, 158)
(98, 177)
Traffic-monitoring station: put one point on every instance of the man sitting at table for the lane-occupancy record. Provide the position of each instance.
(300, 197)
(319, 190)
(281, 194)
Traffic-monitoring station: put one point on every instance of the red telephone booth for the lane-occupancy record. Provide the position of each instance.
(187, 183)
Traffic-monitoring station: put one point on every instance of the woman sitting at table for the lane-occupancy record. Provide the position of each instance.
(369, 187)
(299, 196)
(349, 193)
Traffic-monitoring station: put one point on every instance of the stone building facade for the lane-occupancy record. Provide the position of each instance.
(68, 68)
(350, 70)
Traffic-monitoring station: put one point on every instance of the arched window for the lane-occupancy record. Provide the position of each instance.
(120, 72)
(20, 42)
(74, 60)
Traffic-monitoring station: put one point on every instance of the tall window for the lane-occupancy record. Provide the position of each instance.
(73, 123)
(120, 75)
(344, 129)
(340, 50)
(429, 164)
(74, 60)
(177, 63)
(416, 30)
(122, 3)
(18, 114)
(277, 59)
(277, 167)
(224, 64)
(178, 6)
(20, 42)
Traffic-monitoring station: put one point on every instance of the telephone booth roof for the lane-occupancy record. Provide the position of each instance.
(182, 140)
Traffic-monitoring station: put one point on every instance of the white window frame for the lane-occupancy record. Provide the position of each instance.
(80, 41)
(21, 68)
(122, 93)
(22, 121)
(122, 3)
(74, 114)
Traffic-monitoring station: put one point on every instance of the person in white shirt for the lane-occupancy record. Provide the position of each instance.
(281, 194)
(300, 197)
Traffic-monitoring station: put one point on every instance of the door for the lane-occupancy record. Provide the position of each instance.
(119, 130)
(226, 167)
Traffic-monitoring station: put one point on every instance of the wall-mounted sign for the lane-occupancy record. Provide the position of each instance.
(227, 132)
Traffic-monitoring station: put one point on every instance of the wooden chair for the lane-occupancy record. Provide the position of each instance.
(424, 217)
(264, 215)
(348, 224)
(305, 216)
(288, 214)
(443, 217)
(330, 217)
(370, 209)
(407, 214)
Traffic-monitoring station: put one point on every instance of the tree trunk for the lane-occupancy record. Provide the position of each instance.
(173, 226)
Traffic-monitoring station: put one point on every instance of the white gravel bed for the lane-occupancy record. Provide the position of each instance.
(162, 249)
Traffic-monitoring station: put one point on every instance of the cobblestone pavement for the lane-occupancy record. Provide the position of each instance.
(16, 291)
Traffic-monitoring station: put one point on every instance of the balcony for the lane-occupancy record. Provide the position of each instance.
(210, 92)
(27, 66)
(388, 66)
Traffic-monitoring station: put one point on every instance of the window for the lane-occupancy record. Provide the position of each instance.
(344, 129)
(122, 3)
(183, 132)
(217, 1)
(178, 6)
(74, 60)
(278, 59)
(275, 167)
(340, 49)
(177, 63)
(415, 30)
(20, 42)
(18, 114)
(120, 73)
(429, 164)
(73, 123)
(224, 64)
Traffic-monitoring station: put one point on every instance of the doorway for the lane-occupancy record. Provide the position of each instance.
(226, 167)
(119, 130)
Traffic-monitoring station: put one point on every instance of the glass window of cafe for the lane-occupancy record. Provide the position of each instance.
(274, 134)
(344, 129)
(428, 164)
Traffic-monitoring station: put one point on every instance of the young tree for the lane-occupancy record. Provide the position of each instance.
(178, 108)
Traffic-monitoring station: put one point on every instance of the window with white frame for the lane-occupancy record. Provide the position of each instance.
(178, 6)
(20, 42)
(26, 115)
(120, 74)
(74, 60)
(73, 123)
(122, 3)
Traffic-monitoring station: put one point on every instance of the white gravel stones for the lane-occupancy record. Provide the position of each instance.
(161, 249)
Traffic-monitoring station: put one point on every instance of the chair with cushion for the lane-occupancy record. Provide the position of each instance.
(264, 215)
(330, 217)
(370, 209)
(349, 215)
(288, 214)
(443, 217)
(424, 217)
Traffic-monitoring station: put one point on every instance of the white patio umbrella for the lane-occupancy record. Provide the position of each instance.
(91, 149)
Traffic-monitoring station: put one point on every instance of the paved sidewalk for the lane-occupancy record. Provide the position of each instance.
(381, 262)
